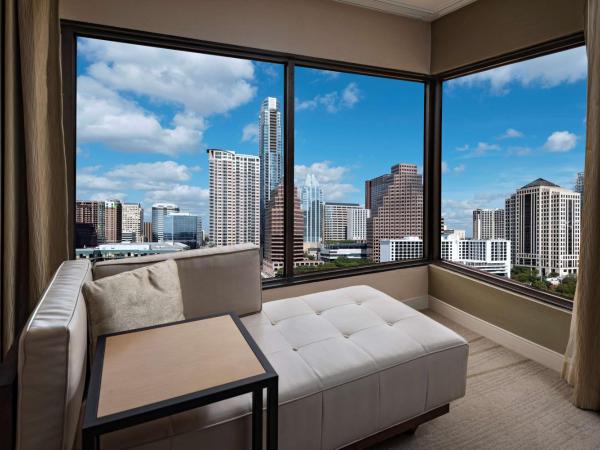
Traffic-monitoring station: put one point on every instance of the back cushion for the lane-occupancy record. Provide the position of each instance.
(52, 363)
(213, 280)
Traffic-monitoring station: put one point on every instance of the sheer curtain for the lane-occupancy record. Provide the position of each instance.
(582, 358)
(34, 188)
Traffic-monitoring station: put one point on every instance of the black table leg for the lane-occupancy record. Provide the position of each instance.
(272, 414)
(257, 415)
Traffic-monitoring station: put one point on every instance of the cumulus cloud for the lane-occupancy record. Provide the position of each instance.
(189, 198)
(329, 177)
(511, 133)
(460, 168)
(546, 72)
(444, 167)
(250, 132)
(561, 141)
(333, 101)
(458, 213)
(86, 181)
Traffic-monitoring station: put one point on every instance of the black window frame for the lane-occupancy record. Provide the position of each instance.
(432, 139)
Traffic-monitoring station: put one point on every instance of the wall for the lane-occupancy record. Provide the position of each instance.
(402, 284)
(316, 28)
(489, 28)
(538, 322)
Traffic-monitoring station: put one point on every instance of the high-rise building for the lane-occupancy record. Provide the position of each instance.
(113, 219)
(335, 222)
(182, 227)
(274, 232)
(234, 197)
(542, 222)
(85, 235)
(91, 212)
(147, 231)
(312, 208)
(375, 188)
(488, 223)
(396, 207)
(356, 229)
(132, 222)
(579, 186)
(159, 211)
(270, 152)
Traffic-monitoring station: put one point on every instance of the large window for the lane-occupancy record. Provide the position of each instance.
(358, 170)
(513, 156)
(176, 150)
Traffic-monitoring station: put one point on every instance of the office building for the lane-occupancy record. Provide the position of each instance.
(182, 227)
(234, 197)
(356, 229)
(274, 244)
(312, 208)
(90, 212)
(543, 226)
(490, 255)
(396, 207)
(579, 187)
(351, 250)
(270, 152)
(147, 232)
(85, 235)
(488, 223)
(159, 211)
(132, 222)
(113, 219)
(335, 221)
(406, 248)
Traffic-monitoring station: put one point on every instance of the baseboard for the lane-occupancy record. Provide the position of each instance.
(418, 303)
(542, 355)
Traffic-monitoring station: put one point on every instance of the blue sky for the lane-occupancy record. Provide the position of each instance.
(145, 117)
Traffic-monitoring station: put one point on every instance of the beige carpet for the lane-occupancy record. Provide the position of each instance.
(511, 402)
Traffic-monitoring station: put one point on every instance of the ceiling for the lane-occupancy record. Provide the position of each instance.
(427, 10)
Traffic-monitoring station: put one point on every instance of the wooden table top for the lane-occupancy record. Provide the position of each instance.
(156, 364)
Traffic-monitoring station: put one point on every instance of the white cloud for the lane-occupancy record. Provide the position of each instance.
(333, 101)
(481, 149)
(103, 195)
(511, 133)
(87, 181)
(520, 151)
(329, 177)
(149, 176)
(561, 141)
(444, 167)
(189, 198)
(459, 169)
(459, 213)
(250, 132)
(546, 72)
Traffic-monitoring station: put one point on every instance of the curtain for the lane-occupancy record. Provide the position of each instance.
(34, 188)
(582, 359)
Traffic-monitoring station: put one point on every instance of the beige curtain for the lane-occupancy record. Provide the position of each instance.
(34, 189)
(582, 359)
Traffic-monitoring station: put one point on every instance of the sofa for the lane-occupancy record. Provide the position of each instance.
(353, 363)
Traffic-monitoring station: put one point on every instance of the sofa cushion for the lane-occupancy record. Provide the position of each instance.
(351, 362)
(139, 298)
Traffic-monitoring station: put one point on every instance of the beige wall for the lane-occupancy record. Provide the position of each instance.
(536, 321)
(316, 28)
(489, 28)
(402, 284)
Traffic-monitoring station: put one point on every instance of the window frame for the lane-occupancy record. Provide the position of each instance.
(432, 139)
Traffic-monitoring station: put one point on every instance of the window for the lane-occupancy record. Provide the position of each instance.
(513, 156)
(358, 170)
(176, 150)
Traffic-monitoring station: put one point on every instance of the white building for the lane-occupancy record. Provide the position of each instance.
(159, 211)
(488, 255)
(234, 197)
(543, 225)
(488, 223)
(357, 224)
(335, 226)
(311, 202)
(132, 222)
(410, 247)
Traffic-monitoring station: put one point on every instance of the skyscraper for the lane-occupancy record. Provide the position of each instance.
(488, 223)
(113, 219)
(543, 225)
(357, 224)
(335, 221)
(396, 207)
(270, 152)
(159, 211)
(91, 212)
(181, 227)
(234, 186)
(579, 186)
(274, 232)
(132, 223)
(312, 208)
(147, 232)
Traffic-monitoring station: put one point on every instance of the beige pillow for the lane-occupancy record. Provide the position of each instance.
(138, 298)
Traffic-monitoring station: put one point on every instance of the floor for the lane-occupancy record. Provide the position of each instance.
(511, 402)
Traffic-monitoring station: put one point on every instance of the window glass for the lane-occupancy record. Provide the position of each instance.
(176, 150)
(513, 157)
(358, 174)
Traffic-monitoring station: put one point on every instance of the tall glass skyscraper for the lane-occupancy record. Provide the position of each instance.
(270, 153)
(159, 211)
(312, 209)
(181, 227)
